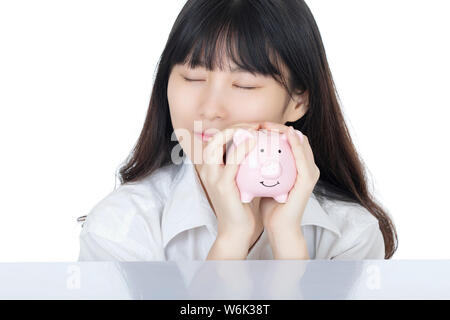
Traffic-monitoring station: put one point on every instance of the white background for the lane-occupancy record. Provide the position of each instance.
(76, 79)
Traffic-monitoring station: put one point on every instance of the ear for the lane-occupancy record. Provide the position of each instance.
(240, 135)
(297, 106)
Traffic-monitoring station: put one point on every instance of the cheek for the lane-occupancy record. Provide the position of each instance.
(180, 105)
(266, 107)
(274, 105)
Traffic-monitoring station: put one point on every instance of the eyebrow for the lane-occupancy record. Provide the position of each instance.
(238, 69)
(232, 70)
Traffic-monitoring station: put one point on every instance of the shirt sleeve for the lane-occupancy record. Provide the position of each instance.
(94, 247)
(122, 227)
(368, 244)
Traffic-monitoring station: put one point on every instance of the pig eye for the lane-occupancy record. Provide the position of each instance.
(279, 150)
(262, 150)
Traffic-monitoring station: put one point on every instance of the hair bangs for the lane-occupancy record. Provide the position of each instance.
(238, 40)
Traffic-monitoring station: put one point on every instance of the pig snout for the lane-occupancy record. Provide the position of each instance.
(271, 170)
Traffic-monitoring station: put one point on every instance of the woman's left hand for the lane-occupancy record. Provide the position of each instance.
(279, 218)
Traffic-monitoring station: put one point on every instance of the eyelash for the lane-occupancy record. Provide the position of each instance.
(244, 88)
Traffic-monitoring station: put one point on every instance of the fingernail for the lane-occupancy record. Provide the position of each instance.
(301, 136)
(296, 133)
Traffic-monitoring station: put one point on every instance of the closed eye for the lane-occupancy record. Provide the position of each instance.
(191, 79)
(245, 88)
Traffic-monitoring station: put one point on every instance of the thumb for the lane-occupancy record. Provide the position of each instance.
(236, 156)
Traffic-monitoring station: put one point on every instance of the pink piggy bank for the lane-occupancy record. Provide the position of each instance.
(269, 169)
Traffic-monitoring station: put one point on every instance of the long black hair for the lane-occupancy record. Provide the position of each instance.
(261, 36)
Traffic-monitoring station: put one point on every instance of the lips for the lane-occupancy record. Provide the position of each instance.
(203, 136)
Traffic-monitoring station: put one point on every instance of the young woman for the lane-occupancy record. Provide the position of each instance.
(229, 65)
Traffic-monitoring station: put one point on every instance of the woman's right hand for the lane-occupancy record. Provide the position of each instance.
(237, 222)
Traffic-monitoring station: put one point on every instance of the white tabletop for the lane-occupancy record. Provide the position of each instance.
(233, 279)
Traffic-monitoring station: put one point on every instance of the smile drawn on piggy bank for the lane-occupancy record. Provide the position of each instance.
(269, 169)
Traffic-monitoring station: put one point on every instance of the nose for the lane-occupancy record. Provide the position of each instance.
(271, 170)
(213, 107)
(212, 114)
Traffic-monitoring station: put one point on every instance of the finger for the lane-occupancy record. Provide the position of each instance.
(221, 138)
(248, 125)
(304, 142)
(273, 126)
(297, 148)
(244, 125)
(236, 156)
(214, 150)
(307, 146)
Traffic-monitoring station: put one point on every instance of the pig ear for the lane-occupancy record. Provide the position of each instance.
(283, 137)
(240, 135)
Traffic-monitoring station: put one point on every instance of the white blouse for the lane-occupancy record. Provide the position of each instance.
(167, 216)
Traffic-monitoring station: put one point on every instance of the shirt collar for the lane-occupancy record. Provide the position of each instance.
(187, 207)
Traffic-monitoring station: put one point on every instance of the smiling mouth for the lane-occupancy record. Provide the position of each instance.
(262, 182)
